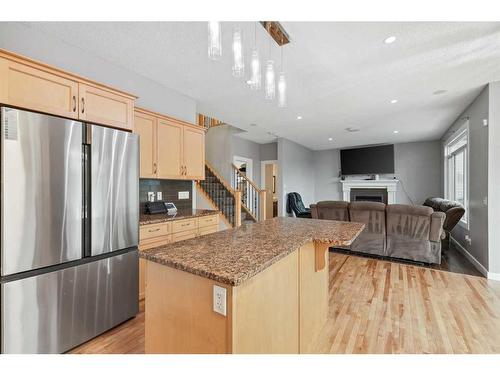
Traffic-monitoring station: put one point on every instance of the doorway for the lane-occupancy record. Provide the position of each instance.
(269, 182)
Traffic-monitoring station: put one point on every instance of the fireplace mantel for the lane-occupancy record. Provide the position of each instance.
(389, 185)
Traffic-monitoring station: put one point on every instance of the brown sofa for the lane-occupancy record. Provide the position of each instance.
(396, 230)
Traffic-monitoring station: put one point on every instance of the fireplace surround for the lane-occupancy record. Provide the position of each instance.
(370, 190)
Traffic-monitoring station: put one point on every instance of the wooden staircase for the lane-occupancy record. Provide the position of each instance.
(239, 201)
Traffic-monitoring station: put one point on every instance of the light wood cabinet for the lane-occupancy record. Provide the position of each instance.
(145, 127)
(39, 87)
(26, 87)
(194, 153)
(154, 235)
(101, 106)
(170, 149)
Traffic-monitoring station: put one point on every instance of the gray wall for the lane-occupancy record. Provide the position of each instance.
(295, 173)
(20, 38)
(251, 150)
(494, 180)
(219, 149)
(478, 178)
(269, 151)
(416, 166)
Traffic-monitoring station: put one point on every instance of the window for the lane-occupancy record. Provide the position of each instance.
(456, 170)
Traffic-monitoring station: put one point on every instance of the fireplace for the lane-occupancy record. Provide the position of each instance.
(369, 190)
(368, 195)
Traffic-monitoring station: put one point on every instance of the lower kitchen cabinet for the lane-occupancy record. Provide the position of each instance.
(154, 235)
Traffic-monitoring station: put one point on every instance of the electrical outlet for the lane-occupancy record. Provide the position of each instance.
(151, 196)
(220, 300)
(159, 195)
(183, 195)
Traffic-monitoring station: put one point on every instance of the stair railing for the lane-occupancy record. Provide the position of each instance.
(253, 199)
(222, 195)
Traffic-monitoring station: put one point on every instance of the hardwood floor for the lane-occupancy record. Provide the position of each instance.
(378, 306)
(127, 338)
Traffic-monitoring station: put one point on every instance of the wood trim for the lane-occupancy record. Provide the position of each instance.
(262, 204)
(320, 250)
(247, 210)
(168, 118)
(53, 70)
(237, 209)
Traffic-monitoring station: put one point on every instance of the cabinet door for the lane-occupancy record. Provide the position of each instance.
(145, 126)
(194, 153)
(169, 150)
(104, 107)
(26, 87)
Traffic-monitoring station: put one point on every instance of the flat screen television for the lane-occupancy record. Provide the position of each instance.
(367, 160)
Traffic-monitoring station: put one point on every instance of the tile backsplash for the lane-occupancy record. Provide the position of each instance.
(170, 190)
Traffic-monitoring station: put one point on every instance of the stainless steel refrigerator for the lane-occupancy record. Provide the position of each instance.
(69, 231)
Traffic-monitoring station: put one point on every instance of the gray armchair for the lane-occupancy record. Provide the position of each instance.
(414, 233)
(372, 239)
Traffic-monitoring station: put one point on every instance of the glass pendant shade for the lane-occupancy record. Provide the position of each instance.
(282, 90)
(238, 62)
(255, 79)
(270, 81)
(214, 40)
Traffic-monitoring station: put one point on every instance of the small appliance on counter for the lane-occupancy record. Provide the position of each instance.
(171, 209)
(160, 207)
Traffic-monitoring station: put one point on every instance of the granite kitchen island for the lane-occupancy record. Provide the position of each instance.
(260, 288)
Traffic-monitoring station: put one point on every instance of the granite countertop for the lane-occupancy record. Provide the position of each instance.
(235, 255)
(181, 214)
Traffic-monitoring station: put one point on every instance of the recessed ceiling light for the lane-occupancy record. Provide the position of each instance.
(390, 39)
(253, 124)
(299, 117)
(396, 131)
(330, 139)
(394, 101)
(439, 92)
(352, 130)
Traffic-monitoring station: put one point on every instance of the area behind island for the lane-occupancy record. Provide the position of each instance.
(275, 276)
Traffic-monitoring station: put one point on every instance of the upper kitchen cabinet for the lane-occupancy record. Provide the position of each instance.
(145, 126)
(169, 143)
(27, 87)
(194, 153)
(39, 87)
(102, 106)
(170, 148)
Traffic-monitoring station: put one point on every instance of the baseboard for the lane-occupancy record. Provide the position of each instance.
(473, 260)
(493, 276)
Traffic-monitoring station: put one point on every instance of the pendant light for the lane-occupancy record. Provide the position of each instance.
(255, 79)
(214, 40)
(270, 87)
(281, 84)
(238, 61)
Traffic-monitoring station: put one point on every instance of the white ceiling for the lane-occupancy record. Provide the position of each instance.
(339, 75)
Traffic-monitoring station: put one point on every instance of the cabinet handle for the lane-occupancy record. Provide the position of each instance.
(155, 168)
(153, 230)
(185, 171)
(74, 103)
(83, 105)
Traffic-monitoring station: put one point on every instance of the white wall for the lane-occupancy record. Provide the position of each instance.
(250, 150)
(295, 173)
(22, 39)
(269, 151)
(326, 175)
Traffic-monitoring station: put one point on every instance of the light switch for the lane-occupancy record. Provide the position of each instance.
(159, 195)
(151, 196)
(183, 195)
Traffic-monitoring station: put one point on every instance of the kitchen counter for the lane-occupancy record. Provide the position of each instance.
(235, 255)
(145, 219)
(260, 288)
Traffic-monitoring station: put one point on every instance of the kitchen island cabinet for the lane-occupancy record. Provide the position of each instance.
(260, 288)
